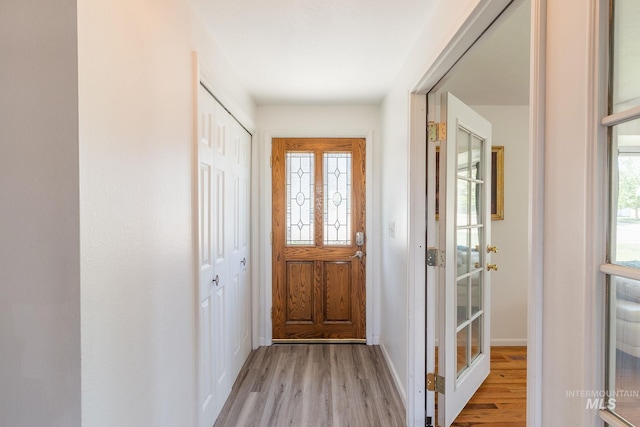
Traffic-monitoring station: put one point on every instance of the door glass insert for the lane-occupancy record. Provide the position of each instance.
(461, 350)
(469, 230)
(463, 252)
(464, 190)
(476, 293)
(476, 333)
(463, 153)
(300, 190)
(475, 202)
(337, 199)
(462, 303)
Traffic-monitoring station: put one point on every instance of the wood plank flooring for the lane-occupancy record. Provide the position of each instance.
(501, 401)
(336, 385)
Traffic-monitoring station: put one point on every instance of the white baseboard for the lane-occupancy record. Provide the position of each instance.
(394, 373)
(509, 342)
(375, 340)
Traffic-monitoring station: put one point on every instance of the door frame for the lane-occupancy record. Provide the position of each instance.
(265, 221)
(319, 253)
(478, 21)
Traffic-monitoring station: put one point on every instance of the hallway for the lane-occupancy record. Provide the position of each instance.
(314, 385)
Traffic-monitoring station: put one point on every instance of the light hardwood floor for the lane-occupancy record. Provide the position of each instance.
(314, 385)
(501, 400)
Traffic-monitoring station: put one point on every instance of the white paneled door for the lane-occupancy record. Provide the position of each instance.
(224, 149)
(465, 237)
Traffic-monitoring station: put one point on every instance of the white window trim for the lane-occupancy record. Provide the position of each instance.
(608, 121)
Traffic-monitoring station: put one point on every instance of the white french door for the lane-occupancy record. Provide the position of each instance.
(223, 250)
(463, 319)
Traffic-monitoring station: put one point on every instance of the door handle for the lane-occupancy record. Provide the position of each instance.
(358, 254)
(244, 261)
(216, 280)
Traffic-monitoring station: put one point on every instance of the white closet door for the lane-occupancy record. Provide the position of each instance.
(208, 406)
(224, 151)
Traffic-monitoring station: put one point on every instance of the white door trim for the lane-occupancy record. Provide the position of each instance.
(537, 89)
(417, 292)
(479, 20)
(264, 240)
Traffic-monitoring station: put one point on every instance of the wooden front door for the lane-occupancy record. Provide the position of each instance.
(319, 247)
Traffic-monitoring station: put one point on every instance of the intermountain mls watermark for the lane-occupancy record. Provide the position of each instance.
(603, 399)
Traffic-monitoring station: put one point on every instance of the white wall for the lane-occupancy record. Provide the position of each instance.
(319, 121)
(440, 27)
(509, 285)
(39, 234)
(572, 292)
(136, 179)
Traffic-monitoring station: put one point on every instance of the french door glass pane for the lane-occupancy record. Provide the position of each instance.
(462, 300)
(624, 349)
(463, 188)
(475, 202)
(463, 252)
(476, 334)
(299, 221)
(337, 199)
(461, 344)
(469, 231)
(625, 230)
(464, 141)
(626, 55)
(476, 293)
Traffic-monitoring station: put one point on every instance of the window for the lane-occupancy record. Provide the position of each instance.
(622, 268)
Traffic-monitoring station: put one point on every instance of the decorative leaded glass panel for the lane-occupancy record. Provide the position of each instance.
(337, 198)
(300, 189)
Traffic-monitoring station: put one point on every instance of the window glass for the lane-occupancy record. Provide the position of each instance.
(622, 372)
(624, 357)
(625, 183)
(626, 55)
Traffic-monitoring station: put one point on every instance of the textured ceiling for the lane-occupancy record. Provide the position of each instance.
(289, 52)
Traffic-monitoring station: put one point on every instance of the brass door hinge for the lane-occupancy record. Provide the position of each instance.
(271, 237)
(435, 383)
(271, 161)
(271, 313)
(436, 131)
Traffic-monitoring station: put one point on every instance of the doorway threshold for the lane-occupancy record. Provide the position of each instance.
(319, 341)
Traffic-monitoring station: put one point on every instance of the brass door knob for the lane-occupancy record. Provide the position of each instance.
(493, 267)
